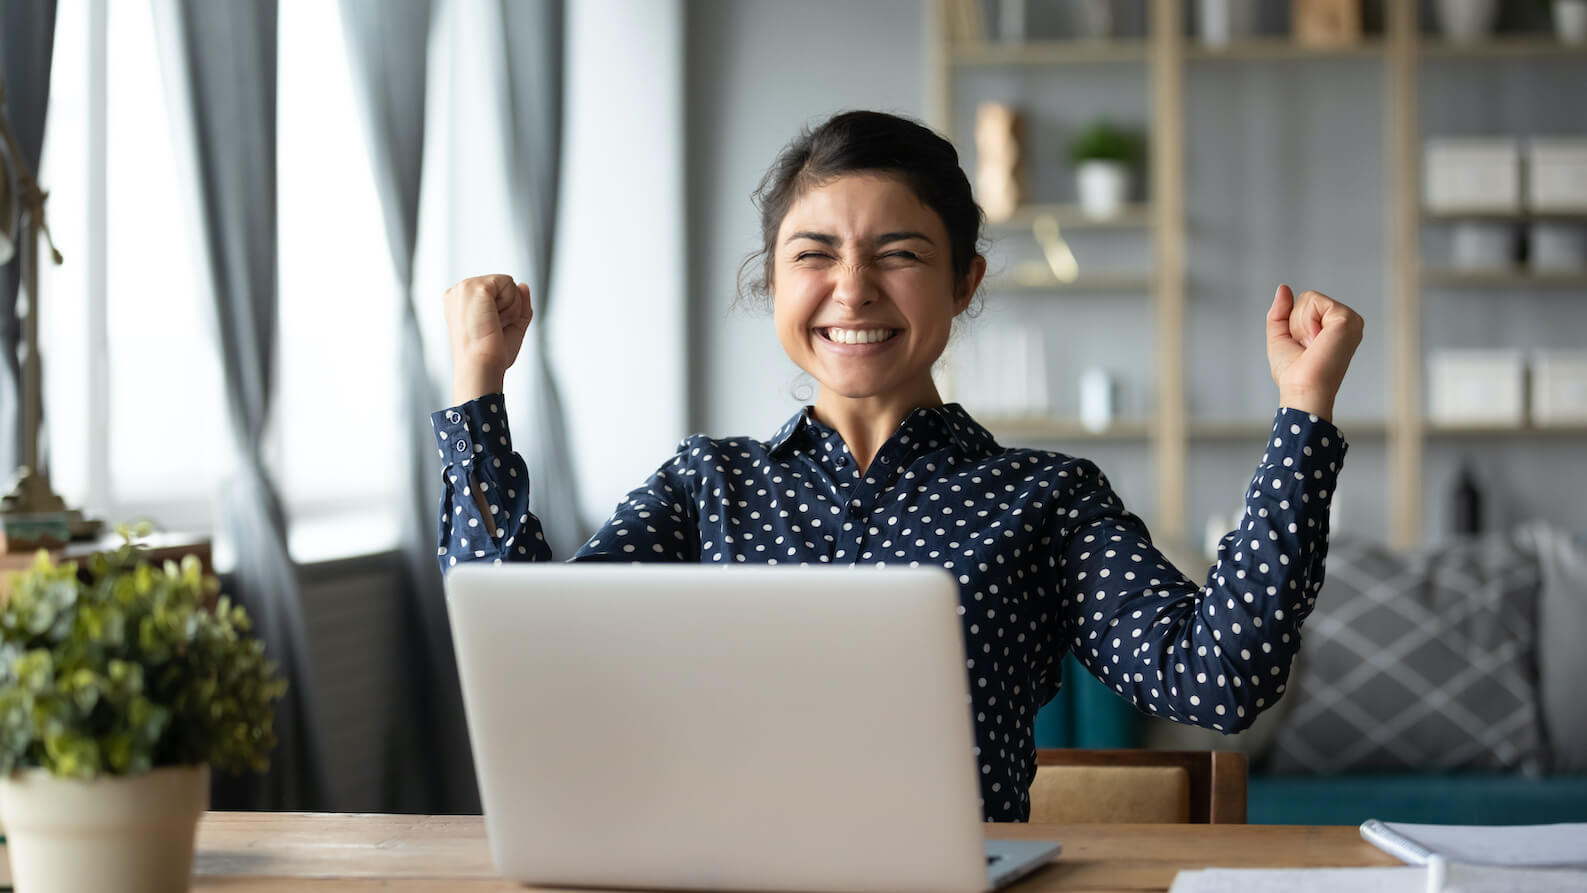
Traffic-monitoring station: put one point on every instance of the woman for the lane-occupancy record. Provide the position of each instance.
(869, 254)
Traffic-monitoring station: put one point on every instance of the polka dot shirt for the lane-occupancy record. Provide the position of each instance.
(1047, 559)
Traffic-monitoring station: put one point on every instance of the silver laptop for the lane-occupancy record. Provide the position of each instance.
(750, 728)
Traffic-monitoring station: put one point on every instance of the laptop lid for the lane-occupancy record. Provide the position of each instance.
(697, 727)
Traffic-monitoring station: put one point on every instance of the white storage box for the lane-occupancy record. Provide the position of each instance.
(1559, 387)
(1483, 245)
(1476, 387)
(1556, 178)
(1472, 175)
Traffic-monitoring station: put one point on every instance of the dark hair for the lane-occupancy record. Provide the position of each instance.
(865, 142)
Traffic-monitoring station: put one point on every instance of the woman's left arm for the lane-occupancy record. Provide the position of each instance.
(1217, 654)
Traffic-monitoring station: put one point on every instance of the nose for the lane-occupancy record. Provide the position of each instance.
(854, 287)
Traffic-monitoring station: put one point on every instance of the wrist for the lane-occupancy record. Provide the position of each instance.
(1314, 404)
(468, 386)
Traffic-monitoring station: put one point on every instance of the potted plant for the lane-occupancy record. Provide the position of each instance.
(1102, 155)
(1467, 21)
(121, 685)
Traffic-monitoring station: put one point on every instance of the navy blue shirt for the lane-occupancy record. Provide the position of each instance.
(1047, 558)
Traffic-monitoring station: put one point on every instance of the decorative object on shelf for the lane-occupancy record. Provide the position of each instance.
(1478, 386)
(966, 24)
(120, 688)
(1218, 22)
(1466, 21)
(1559, 387)
(1465, 503)
(1555, 247)
(1484, 246)
(1326, 23)
(1103, 154)
(31, 515)
(1055, 250)
(999, 159)
(1570, 20)
(1556, 174)
(1472, 174)
(1011, 21)
(1095, 19)
(1096, 399)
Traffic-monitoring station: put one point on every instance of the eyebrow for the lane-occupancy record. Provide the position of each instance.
(883, 239)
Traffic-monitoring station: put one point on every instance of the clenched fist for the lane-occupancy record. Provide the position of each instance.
(1310, 341)
(486, 318)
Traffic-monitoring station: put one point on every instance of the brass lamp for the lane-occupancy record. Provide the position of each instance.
(31, 514)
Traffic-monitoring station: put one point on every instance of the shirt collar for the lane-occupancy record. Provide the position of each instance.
(972, 440)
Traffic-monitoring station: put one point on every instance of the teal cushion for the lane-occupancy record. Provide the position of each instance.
(1435, 799)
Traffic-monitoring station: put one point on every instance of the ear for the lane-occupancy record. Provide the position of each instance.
(968, 285)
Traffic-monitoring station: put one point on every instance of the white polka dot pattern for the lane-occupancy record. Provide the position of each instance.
(1047, 558)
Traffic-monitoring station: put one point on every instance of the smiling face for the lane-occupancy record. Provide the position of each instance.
(864, 292)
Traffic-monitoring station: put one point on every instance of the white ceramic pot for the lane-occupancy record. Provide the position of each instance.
(1103, 186)
(1467, 21)
(1570, 20)
(131, 835)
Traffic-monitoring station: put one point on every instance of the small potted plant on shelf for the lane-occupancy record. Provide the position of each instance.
(1570, 20)
(1103, 154)
(121, 685)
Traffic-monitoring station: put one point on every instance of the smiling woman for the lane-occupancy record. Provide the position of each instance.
(869, 253)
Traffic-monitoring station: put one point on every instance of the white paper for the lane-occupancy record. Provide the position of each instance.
(1456, 879)
(1301, 880)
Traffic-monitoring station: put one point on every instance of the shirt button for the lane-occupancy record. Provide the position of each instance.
(462, 446)
(453, 417)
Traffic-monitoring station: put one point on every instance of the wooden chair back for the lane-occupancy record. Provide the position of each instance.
(1139, 786)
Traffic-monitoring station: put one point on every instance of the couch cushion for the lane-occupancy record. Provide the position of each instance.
(1418, 661)
(1561, 655)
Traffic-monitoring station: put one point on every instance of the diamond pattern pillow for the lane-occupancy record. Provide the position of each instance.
(1422, 661)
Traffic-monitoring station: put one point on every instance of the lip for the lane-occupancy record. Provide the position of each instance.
(857, 350)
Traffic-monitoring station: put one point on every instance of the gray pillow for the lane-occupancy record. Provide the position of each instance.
(1561, 654)
(1418, 661)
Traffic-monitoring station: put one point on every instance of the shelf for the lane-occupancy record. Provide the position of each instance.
(1282, 49)
(1503, 47)
(1042, 428)
(1242, 429)
(1486, 429)
(1516, 277)
(1455, 215)
(1050, 52)
(1070, 217)
(1088, 283)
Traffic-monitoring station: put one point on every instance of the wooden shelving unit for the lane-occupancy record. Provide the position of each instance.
(1166, 52)
(1099, 282)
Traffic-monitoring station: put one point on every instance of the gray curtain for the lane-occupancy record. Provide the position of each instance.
(227, 63)
(534, 35)
(388, 42)
(27, 41)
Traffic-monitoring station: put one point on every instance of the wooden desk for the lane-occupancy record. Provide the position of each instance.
(259, 852)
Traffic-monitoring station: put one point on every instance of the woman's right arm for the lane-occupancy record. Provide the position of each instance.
(485, 499)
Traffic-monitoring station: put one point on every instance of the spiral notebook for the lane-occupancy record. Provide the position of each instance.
(1533, 846)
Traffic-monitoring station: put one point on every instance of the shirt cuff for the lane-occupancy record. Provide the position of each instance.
(1308, 445)
(469, 430)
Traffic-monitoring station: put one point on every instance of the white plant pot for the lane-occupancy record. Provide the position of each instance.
(1467, 21)
(1570, 20)
(1103, 186)
(131, 835)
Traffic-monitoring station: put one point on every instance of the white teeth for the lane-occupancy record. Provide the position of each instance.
(858, 336)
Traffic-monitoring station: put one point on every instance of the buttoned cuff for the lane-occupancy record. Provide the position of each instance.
(469, 431)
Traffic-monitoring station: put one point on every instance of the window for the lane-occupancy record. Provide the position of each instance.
(134, 388)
